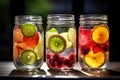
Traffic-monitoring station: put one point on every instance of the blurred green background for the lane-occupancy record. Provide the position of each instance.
(11, 8)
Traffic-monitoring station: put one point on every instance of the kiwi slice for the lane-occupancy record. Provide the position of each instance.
(56, 44)
(28, 29)
(28, 57)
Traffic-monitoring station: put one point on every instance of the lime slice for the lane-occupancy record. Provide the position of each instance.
(28, 57)
(65, 36)
(52, 30)
(57, 44)
(72, 35)
(28, 29)
(49, 33)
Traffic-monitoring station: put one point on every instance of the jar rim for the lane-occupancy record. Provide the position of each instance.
(60, 18)
(19, 19)
(88, 17)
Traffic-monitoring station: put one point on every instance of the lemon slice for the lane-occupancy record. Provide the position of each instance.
(39, 48)
(72, 35)
(65, 36)
(100, 34)
(28, 29)
(28, 57)
(95, 60)
(57, 44)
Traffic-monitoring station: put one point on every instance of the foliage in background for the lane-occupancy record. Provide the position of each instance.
(38, 7)
(4, 15)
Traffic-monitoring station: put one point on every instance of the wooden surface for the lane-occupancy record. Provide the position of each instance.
(8, 70)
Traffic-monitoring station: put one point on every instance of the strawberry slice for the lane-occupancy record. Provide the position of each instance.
(96, 48)
(31, 41)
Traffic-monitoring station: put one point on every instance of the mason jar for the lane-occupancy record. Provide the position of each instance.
(28, 42)
(60, 41)
(93, 42)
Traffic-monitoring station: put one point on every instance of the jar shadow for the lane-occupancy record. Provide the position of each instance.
(102, 73)
(67, 73)
(22, 73)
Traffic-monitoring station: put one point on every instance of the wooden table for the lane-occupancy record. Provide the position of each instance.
(8, 70)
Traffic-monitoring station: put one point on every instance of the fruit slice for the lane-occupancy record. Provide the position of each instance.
(96, 49)
(15, 51)
(72, 35)
(28, 29)
(17, 35)
(39, 49)
(65, 36)
(22, 46)
(100, 34)
(57, 44)
(95, 60)
(28, 57)
(49, 33)
(32, 41)
(52, 30)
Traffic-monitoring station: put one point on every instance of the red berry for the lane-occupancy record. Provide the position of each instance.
(85, 50)
(61, 58)
(51, 63)
(56, 57)
(67, 62)
(106, 48)
(48, 56)
(59, 63)
(72, 57)
(96, 49)
(70, 64)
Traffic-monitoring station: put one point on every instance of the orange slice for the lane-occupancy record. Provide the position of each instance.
(100, 34)
(15, 51)
(95, 60)
(17, 35)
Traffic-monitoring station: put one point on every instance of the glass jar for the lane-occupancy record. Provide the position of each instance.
(28, 42)
(60, 41)
(93, 42)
